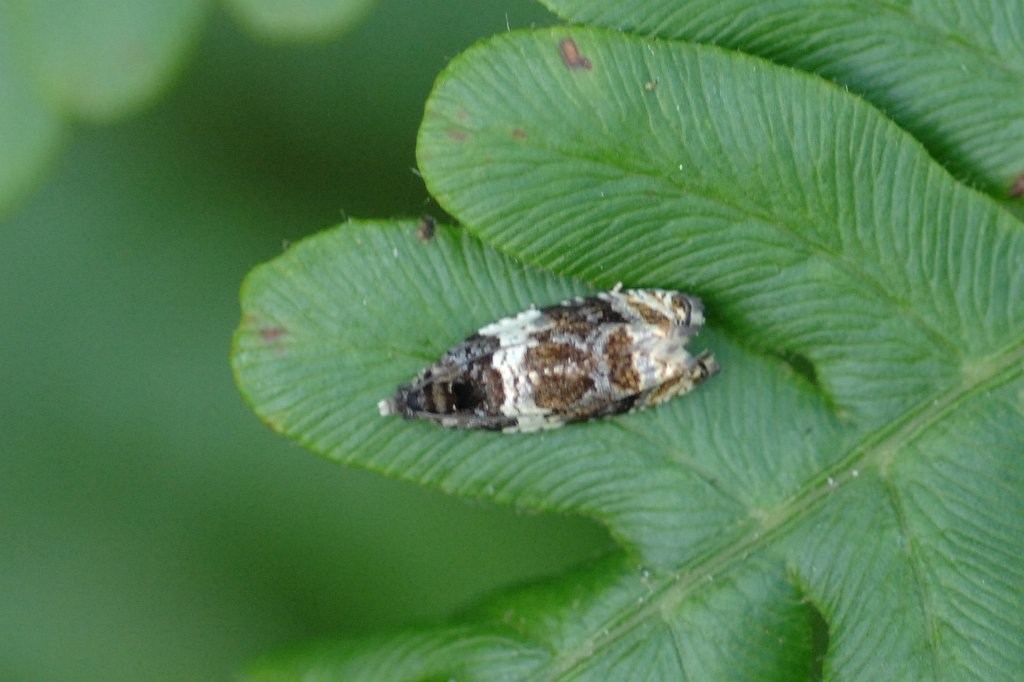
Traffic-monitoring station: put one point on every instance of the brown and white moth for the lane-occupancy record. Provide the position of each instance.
(614, 352)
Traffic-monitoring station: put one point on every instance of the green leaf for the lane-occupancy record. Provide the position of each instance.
(98, 59)
(950, 72)
(91, 60)
(586, 617)
(815, 227)
(300, 20)
(855, 470)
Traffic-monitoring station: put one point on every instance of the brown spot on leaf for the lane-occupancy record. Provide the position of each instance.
(272, 334)
(572, 56)
(426, 228)
(518, 133)
(1017, 188)
(459, 135)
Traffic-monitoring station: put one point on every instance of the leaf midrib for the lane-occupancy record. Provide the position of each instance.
(875, 449)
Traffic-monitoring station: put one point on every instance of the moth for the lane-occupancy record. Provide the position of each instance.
(585, 358)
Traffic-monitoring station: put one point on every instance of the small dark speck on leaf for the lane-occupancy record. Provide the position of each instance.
(1017, 188)
(426, 227)
(571, 55)
(518, 133)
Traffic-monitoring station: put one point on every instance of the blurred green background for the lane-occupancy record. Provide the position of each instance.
(151, 528)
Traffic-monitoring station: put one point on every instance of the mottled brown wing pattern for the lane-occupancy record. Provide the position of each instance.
(582, 359)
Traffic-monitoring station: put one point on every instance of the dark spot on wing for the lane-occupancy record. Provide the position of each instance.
(589, 311)
(619, 356)
(650, 315)
(448, 387)
(465, 396)
(472, 349)
(558, 393)
(560, 374)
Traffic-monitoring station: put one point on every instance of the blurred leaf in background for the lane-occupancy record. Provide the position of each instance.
(151, 528)
(98, 60)
(299, 20)
(102, 60)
